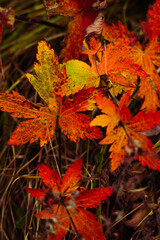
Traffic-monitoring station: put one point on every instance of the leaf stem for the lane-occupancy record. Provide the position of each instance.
(74, 226)
(129, 138)
(99, 170)
(124, 13)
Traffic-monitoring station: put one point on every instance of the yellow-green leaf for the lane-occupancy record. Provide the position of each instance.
(80, 75)
(48, 76)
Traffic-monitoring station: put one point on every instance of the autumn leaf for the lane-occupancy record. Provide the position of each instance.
(145, 56)
(65, 202)
(75, 124)
(124, 130)
(150, 58)
(151, 27)
(112, 32)
(48, 74)
(40, 120)
(113, 63)
(83, 16)
(79, 76)
(117, 66)
(149, 87)
(93, 45)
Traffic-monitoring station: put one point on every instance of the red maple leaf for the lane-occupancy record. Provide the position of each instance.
(124, 130)
(83, 16)
(64, 202)
(40, 120)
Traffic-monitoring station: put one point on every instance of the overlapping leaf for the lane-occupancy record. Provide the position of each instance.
(124, 130)
(113, 63)
(67, 194)
(112, 32)
(40, 119)
(120, 69)
(117, 66)
(82, 15)
(75, 124)
(79, 75)
(145, 56)
(150, 87)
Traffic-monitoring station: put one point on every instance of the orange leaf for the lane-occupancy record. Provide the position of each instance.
(41, 120)
(149, 87)
(151, 27)
(69, 202)
(75, 124)
(110, 117)
(83, 15)
(72, 176)
(117, 65)
(33, 129)
(113, 32)
(123, 130)
(147, 58)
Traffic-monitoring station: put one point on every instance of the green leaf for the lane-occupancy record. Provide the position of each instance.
(157, 144)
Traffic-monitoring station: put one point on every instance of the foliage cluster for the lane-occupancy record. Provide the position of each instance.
(103, 89)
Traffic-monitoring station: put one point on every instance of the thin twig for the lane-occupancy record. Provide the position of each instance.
(60, 152)
(113, 97)
(127, 215)
(53, 150)
(40, 22)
